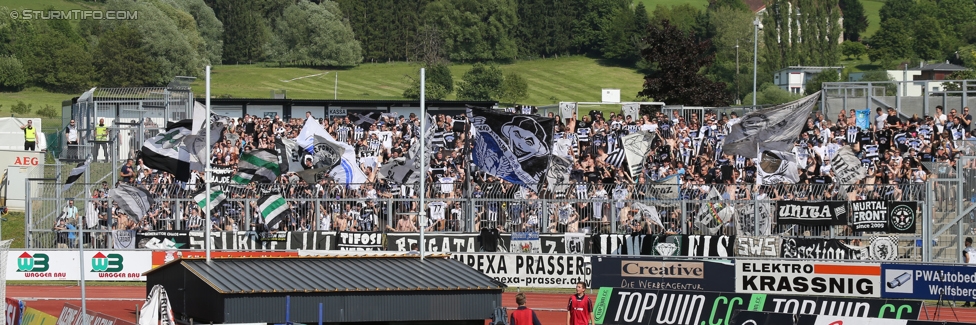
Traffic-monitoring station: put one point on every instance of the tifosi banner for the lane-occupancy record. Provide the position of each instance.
(869, 215)
(670, 307)
(808, 278)
(657, 273)
(811, 213)
(880, 248)
(360, 241)
(750, 246)
(249, 240)
(530, 270)
(929, 282)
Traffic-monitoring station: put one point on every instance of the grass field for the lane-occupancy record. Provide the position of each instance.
(550, 80)
(871, 9)
(13, 228)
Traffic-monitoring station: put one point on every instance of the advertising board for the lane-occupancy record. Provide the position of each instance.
(531, 270)
(929, 282)
(64, 265)
(646, 272)
(641, 306)
(808, 278)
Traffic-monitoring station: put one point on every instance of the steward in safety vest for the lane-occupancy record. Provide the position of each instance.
(30, 136)
(101, 131)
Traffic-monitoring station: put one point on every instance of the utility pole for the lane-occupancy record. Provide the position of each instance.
(737, 91)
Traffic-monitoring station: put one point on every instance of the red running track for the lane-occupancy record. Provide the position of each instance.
(122, 302)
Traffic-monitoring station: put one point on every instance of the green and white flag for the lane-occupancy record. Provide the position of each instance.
(273, 209)
(259, 165)
(217, 197)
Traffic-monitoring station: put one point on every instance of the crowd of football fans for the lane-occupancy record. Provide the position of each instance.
(899, 154)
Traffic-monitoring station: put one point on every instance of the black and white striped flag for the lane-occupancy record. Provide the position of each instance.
(260, 165)
(135, 201)
(616, 157)
(76, 174)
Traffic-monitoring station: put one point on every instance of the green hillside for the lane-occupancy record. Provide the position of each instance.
(550, 80)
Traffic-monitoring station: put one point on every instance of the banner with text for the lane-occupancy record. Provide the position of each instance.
(249, 240)
(886, 216)
(71, 315)
(879, 248)
(808, 278)
(929, 282)
(811, 213)
(671, 307)
(531, 270)
(757, 246)
(640, 272)
(63, 265)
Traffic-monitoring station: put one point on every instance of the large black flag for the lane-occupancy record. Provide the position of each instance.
(513, 147)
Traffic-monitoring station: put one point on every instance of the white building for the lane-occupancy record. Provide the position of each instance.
(794, 79)
(919, 78)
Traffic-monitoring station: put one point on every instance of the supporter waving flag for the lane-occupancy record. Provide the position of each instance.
(273, 209)
(776, 128)
(135, 201)
(259, 165)
(216, 195)
(163, 152)
(196, 142)
(76, 173)
(328, 155)
(513, 147)
(778, 167)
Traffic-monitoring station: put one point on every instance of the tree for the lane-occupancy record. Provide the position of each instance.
(816, 84)
(732, 28)
(440, 83)
(591, 20)
(169, 38)
(56, 58)
(641, 19)
(476, 30)
(853, 50)
(246, 31)
(730, 4)
(514, 88)
(897, 9)
(620, 39)
(121, 59)
(20, 108)
(209, 27)
(428, 48)
(677, 58)
(12, 74)
(770, 94)
(891, 42)
(855, 20)
(881, 75)
(482, 82)
(686, 17)
(800, 32)
(315, 35)
(967, 54)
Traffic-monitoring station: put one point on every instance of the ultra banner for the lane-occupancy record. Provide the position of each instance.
(812, 213)
(808, 278)
(642, 272)
(664, 245)
(249, 240)
(471, 243)
(670, 307)
(929, 282)
(531, 270)
(879, 248)
(886, 216)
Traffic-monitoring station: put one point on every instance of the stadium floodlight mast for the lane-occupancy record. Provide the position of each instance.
(423, 157)
(755, 56)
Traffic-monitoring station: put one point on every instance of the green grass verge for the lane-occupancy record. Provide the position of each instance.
(572, 78)
(872, 9)
(13, 228)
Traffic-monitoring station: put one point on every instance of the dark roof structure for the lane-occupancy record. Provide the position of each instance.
(351, 289)
(943, 66)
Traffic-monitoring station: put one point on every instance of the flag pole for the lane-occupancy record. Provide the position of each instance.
(423, 156)
(81, 241)
(206, 178)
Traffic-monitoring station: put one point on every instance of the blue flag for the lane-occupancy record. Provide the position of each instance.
(864, 119)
